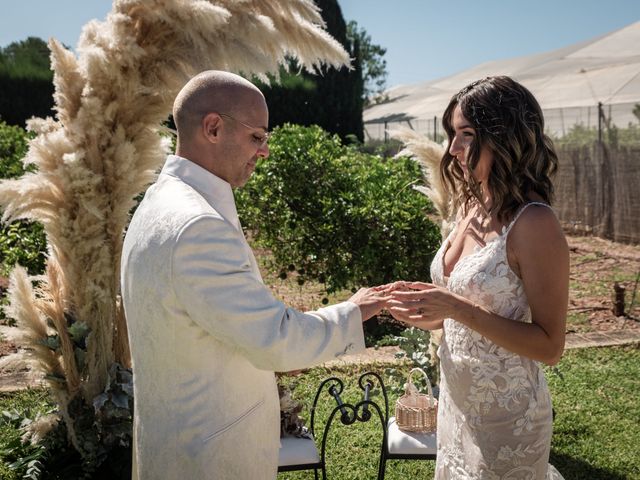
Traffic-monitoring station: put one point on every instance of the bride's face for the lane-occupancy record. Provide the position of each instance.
(464, 135)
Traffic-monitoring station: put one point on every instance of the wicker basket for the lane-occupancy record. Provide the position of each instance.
(416, 412)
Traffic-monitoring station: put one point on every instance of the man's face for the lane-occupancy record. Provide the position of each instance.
(245, 140)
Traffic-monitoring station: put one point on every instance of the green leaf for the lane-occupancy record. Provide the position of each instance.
(78, 332)
(80, 356)
(52, 342)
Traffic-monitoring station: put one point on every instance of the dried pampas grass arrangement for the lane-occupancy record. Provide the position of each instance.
(429, 154)
(104, 148)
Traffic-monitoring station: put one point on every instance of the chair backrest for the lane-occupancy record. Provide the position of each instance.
(348, 413)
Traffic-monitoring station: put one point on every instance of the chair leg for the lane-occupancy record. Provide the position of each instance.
(315, 474)
(381, 467)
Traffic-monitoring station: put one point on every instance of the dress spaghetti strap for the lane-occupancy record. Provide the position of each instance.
(520, 213)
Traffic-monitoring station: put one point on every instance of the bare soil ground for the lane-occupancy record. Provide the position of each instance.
(596, 265)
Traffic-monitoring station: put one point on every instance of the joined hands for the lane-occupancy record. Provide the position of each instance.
(420, 304)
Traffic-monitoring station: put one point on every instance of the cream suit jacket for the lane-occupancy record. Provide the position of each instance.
(206, 335)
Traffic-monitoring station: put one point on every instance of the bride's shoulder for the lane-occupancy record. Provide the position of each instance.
(536, 226)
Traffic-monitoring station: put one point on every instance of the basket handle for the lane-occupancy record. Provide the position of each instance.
(429, 389)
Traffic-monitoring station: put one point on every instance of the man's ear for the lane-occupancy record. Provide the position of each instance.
(211, 126)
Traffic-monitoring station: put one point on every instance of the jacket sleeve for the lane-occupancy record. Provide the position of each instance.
(213, 281)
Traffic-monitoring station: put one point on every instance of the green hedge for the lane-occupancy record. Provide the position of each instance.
(23, 98)
(337, 215)
(26, 81)
(332, 98)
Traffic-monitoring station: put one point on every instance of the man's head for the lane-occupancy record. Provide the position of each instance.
(222, 124)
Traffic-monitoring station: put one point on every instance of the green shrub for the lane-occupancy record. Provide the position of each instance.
(336, 215)
(615, 137)
(24, 244)
(21, 243)
(13, 147)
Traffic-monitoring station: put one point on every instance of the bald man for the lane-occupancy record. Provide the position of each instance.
(206, 334)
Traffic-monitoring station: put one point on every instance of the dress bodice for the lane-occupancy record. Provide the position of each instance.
(486, 278)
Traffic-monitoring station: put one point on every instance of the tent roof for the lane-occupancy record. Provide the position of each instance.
(605, 69)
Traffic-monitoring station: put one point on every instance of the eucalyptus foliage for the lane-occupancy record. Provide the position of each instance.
(416, 349)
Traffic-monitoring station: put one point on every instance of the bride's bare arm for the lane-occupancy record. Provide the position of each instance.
(540, 250)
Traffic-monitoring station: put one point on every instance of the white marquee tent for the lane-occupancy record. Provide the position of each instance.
(569, 83)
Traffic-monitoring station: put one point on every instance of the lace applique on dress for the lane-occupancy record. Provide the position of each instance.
(494, 420)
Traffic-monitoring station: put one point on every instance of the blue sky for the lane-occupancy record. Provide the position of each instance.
(425, 39)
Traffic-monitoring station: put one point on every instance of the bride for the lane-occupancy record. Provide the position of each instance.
(500, 288)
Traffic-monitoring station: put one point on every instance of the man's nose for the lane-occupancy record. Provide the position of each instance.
(263, 151)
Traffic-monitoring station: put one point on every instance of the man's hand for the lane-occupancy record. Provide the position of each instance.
(370, 301)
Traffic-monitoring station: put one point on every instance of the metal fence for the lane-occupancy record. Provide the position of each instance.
(598, 180)
(559, 122)
(598, 190)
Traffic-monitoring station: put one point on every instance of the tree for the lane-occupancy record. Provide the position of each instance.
(374, 66)
(357, 223)
(329, 98)
(27, 59)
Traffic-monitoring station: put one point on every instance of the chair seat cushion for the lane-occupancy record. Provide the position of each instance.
(297, 451)
(409, 443)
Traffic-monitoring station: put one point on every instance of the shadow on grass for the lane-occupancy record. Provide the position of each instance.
(573, 468)
(66, 464)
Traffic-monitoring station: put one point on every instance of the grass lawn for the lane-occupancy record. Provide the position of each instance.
(596, 430)
(13, 409)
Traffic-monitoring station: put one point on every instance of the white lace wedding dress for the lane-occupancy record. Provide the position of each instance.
(494, 418)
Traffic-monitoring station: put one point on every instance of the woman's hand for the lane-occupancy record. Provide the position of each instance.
(422, 305)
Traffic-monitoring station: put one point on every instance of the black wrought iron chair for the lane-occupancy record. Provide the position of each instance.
(399, 445)
(303, 454)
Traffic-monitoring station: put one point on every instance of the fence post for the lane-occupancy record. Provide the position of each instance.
(618, 300)
(435, 127)
(600, 116)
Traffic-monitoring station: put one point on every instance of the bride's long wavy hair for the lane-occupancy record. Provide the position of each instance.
(508, 121)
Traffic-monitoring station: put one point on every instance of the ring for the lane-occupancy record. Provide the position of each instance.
(420, 311)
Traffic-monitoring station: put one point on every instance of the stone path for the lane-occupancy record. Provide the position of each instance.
(14, 381)
(602, 338)
(573, 340)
